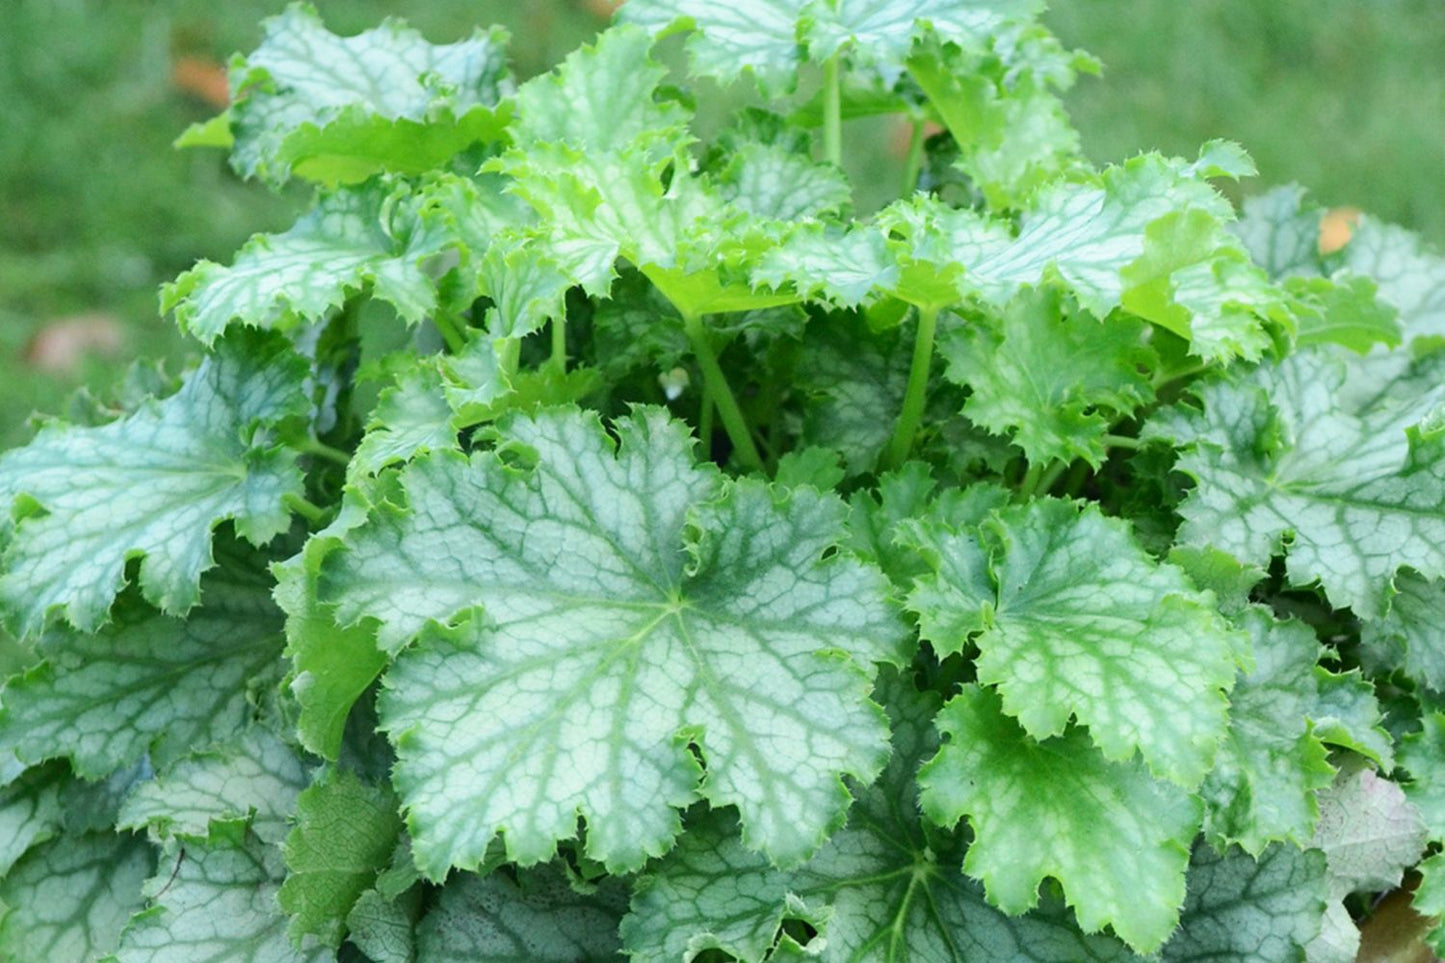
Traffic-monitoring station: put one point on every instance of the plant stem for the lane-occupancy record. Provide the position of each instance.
(509, 350)
(307, 509)
(558, 360)
(1050, 477)
(321, 449)
(832, 112)
(1169, 377)
(917, 392)
(450, 328)
(715, 384)
(704, 422)
(915, 160)
(1122, 441)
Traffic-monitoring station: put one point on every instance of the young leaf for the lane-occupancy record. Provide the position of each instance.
(152, 485)
(1411, 636)
(1270, 764)
(542, 916)
(344, 836)
(1430, 898)
(1278, 456)
(1116, 839)
(69, 899)
(630, 605)
(1072, 618)
(1050, 376)
(1265, 910)
(411, 416)
(332, 664)
(1420, 755)
(256, 777)
(338, 109)
(214, 898)
(1347, 714)
(884, 888)
(146, 683)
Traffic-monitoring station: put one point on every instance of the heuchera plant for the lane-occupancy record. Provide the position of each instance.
(582, 539)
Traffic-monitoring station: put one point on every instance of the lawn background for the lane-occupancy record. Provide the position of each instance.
(96, 210)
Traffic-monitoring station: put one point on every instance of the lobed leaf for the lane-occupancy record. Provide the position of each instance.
(1285, 465)
(339, 109)
(1116, 839)
(151, 486)
(631, 604)
(69, 898)
(1072, 619)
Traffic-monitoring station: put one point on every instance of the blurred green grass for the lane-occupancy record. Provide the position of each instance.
(96, 209)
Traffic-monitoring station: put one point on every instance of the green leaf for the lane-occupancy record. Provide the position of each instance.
(1050, 376)
(1270, 763)
(1265, 910)
(1430, 898)
(1411, 635)
(1072, 618)
(853, 383)
(384, 929)
(339, 109)
(411, 416)
(631, 606)
(1001, 107)
(1341, 311)
(884, 888)
(1147, 235)
(152, 485)
(257, 777)
(147, 682)
(1420, 755)
(601, 176)
(775, 177)
(69, 899)
(541, 916)
(332, 665)
(380, 236)
(1347, 714)
(344, 836)
(1116, 839)
(30, 811)
(1284, 467)
(214, 898)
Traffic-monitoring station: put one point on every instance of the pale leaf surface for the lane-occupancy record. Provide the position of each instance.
(215, 899)
(256, 777)
(1265, 910)
(1270, 764)
(1283, 467)
(341, 108)
(539, 917)
(69, 898)
(630, 602)
(147, 682)
(151, 485)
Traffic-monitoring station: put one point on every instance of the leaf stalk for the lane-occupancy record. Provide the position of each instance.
(715, 385)
(916, 394)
